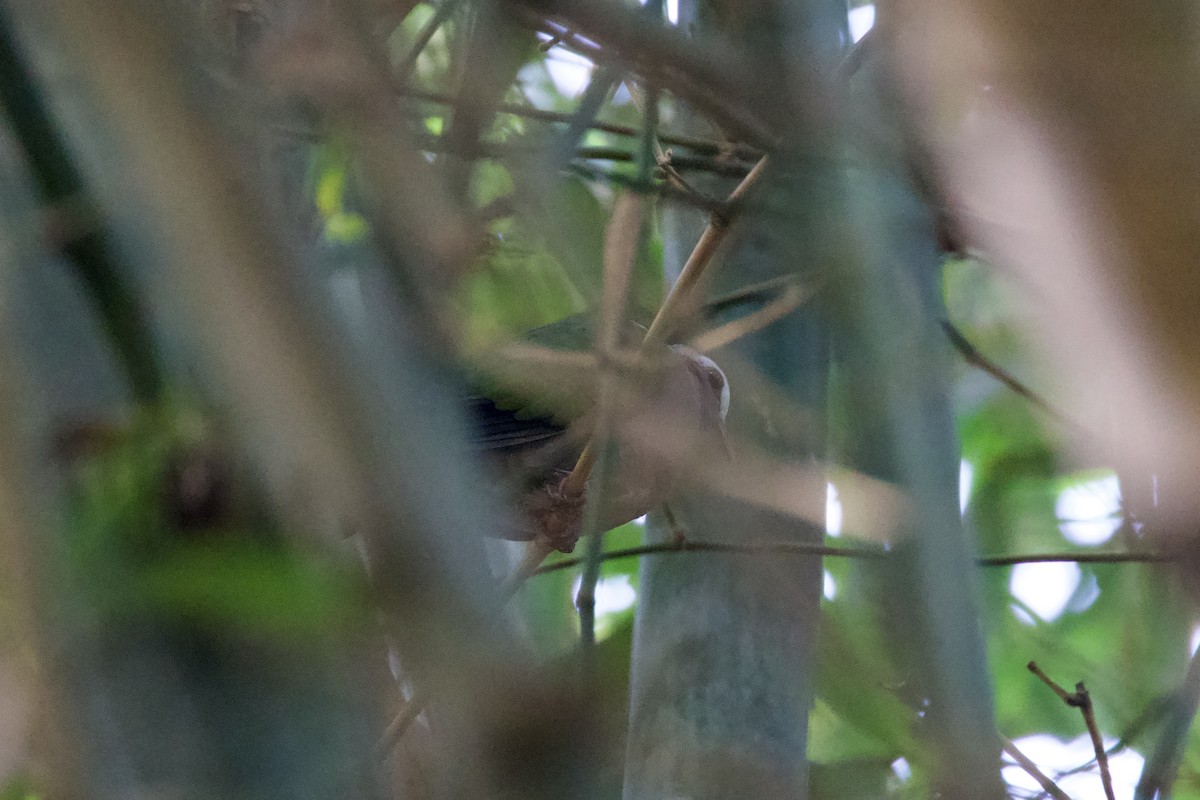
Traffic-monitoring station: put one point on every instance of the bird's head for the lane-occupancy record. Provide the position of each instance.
(711, 377)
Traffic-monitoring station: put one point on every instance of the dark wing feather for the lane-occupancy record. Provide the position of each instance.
(501, 429)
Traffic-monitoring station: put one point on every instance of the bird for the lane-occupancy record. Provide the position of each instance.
(667, 412)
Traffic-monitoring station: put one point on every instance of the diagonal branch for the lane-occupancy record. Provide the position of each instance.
(975, 358)
(681, 299)
(1024, 762)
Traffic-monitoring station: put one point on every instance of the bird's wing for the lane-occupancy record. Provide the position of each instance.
(496, 428)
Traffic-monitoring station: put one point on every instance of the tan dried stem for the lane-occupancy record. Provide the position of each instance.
(683, 294)
(681, 300)
(1089, 719)
(794, 296)
(620, 252)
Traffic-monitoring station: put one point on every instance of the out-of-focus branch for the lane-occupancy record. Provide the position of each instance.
(443, 12)
(709, 79)
(792, 297)
(696, 144)
(329, 61)
(32, 560)
(76, 230)
(621, 245)
(328, 423)
(1162, 765)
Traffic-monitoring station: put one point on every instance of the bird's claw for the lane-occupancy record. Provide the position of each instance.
(560, 519)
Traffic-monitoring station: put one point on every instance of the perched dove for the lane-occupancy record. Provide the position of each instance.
(667, 414)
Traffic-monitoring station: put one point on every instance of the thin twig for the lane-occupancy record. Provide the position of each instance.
(500, 150)
(661, 157)
(670, 164)
(665, 191)
(1024, 762)
(792, 298)
(1089, 719)
(756, 293)
(621, 247)
(624, 181)
(442, 13)
(1148, 717)
(1077, 558)
(1083, 701)
(972, 356)
(561, 36)
(696, 144)
(1067, 697)
(831, 551)
(651, 150)
(689, 546)
(554, 40)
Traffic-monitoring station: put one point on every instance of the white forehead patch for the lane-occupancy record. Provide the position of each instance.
(706, 363)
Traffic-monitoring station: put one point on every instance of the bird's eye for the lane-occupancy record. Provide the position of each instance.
(715, 378)
(719, 385)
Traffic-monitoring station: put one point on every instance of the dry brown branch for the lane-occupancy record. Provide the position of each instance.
(793, 296)
(683, 294)
(1083, 701)
(663, 158)
(684, 545)
(1089, 719)
(1024, 762)
(1062, 693)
